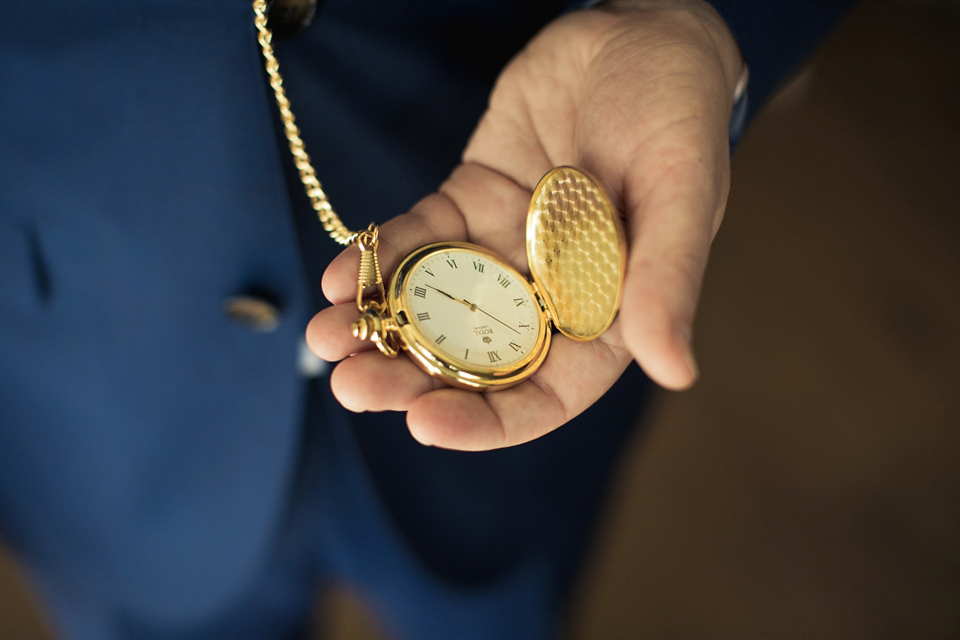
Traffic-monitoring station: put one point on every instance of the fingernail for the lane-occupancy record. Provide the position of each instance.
(686, 351)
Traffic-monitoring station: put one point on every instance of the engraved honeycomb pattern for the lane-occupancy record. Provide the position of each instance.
(575, 249)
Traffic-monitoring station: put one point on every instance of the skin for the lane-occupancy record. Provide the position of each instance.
(638, 94)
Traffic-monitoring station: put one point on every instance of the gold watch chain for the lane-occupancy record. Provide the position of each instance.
(318, 199)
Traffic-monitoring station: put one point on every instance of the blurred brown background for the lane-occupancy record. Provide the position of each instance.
(809, 486)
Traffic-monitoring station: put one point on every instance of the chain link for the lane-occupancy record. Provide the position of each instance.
(318, 199)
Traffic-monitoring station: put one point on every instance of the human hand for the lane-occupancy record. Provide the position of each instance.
(641, 98)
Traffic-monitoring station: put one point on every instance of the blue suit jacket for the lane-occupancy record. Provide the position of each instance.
(148, 445)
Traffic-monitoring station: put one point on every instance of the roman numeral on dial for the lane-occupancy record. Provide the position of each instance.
(423, 317)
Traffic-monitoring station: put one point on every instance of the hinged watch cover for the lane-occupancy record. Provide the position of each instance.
(576, 250)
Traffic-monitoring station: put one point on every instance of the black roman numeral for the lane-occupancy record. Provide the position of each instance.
(441, 338)
(428, 272)
(502, 280)
(420, 292)
(452, 263)
(520, 301)
(515, 346)
(494, 356)
(478, 266)
(423, 317)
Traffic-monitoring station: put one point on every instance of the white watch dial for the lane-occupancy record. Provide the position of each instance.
(472, 309)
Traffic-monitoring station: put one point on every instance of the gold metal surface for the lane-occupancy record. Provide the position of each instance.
(374, 323)
(576, 250)
(318, 199)
(372, 326)
(369, 274)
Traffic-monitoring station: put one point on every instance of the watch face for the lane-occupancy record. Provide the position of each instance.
(469, 308)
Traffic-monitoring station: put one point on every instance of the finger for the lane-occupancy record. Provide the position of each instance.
(666, 153)
(494, 207)
(671, 232)
(475, 204)
(432, 219)
(369, 381)
(507, 138)
(573, 377)
(526, 138)
(330, 336)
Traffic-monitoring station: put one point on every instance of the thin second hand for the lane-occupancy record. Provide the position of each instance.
(473, 306)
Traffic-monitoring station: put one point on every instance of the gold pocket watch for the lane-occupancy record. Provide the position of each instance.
(462, 312)
(466, 316)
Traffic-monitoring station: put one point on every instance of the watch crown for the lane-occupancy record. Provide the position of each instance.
(365, 325)
(371, 326)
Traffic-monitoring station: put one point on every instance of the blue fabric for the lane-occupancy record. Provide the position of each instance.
(775, 38)
(164, 472)
(146, 441)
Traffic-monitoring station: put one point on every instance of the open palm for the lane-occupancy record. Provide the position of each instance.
(641, 99)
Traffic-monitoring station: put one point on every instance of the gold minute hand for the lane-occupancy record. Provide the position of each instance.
(473, 307)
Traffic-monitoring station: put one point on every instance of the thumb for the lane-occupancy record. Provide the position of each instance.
(671, 231)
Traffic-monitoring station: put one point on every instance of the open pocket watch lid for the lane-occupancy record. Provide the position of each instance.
(576, 250)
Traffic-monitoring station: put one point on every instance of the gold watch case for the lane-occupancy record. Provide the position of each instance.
(576, 252)
(458, 371)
